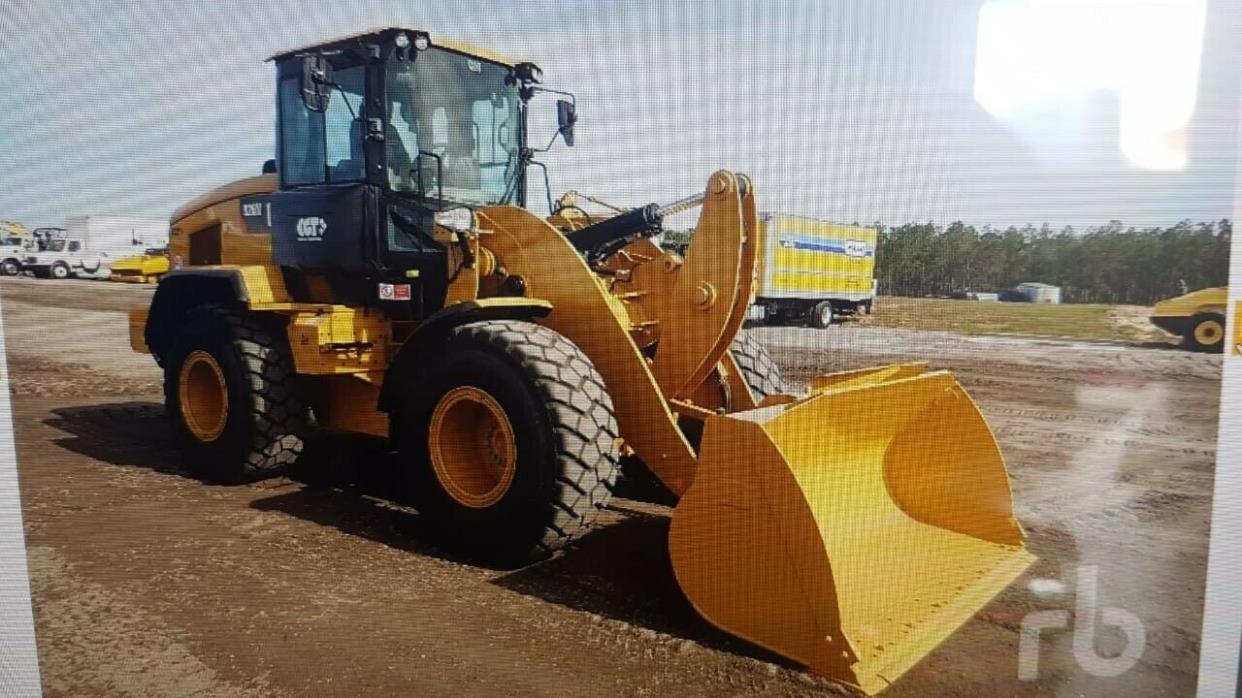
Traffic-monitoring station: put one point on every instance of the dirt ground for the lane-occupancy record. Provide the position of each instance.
(147, 582)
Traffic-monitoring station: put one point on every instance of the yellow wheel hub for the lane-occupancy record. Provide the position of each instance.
(1209, 332)
(473, 451)
(204, 396)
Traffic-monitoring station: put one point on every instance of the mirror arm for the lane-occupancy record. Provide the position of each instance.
(572, 99)
(547, 185)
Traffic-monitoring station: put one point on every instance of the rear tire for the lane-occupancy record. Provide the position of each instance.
(546, 432)
(1206, 333)
(256, 430)
(59, 271)
(820, 316)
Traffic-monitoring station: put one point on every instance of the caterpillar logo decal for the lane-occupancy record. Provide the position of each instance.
(311, 229)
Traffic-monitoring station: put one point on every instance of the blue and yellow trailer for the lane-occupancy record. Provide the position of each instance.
(814, 271)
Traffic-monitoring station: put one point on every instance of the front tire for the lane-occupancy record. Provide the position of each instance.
(10, 267)
(1206, 333)
(231, 396)
(508, 440)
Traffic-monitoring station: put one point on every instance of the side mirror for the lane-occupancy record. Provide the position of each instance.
(566, 117)
(316, 82)
(269, 167)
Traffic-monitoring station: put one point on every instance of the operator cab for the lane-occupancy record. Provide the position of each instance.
(378, 135)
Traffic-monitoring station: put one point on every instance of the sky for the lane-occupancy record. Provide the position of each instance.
(1066, 112)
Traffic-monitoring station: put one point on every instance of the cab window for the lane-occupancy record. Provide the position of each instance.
(323, 147)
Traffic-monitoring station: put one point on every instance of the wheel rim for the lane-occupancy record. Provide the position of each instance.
(10, 269)
(1209, 332)
(204, 396)
(473, 450)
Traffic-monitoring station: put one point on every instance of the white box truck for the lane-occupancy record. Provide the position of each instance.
(813, 271)
(89, 243)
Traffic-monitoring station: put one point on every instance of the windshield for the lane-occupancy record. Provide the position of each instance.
(453, 121)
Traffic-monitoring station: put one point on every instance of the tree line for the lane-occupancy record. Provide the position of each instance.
(1101, 264)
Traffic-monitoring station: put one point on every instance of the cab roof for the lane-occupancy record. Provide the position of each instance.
(382, 33)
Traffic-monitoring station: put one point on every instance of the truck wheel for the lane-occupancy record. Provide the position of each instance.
(10, 267)
(508, 441)
(230, 392)
(820, 315)
(1206, 333)
(60, 271)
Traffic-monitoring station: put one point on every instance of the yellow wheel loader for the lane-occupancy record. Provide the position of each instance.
(383, 277)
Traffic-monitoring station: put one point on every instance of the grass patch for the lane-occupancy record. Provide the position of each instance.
(1085, 321)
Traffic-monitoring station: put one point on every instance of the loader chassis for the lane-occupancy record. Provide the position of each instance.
(388, 281)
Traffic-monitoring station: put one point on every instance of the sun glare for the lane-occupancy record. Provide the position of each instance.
(1041, 57)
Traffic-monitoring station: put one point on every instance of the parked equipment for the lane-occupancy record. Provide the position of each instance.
(13, 229)
(88, 245)
(145, 268)
(390, 281)
(1197, 317)
(14, 249)
(813, 272)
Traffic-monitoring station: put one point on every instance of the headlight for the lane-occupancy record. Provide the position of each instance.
(421, 42)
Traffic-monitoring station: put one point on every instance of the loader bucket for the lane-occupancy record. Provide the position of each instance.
(852, 530)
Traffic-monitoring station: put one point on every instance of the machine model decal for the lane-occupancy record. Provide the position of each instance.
(257, 212)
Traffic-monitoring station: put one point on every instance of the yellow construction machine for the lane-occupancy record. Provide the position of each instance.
(143, 268)
(384, 277)
(1197, 317)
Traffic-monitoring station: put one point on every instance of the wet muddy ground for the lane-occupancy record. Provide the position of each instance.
(149, 582)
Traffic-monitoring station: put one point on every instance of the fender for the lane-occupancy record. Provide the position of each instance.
(253, 286)
(406, 361)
